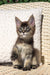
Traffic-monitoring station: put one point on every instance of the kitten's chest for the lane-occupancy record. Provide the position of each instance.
(24, 48)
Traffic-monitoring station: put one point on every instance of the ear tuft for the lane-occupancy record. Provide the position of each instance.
(31, 21)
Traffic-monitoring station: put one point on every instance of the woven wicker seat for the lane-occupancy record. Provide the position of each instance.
(45, 31)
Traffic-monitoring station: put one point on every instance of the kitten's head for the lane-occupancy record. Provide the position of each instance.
(25, 29)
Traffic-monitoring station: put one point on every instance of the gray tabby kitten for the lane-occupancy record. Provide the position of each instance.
(23, 51)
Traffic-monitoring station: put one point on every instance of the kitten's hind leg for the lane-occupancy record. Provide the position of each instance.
(38, 57)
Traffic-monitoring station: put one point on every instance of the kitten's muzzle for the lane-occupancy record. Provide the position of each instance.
(23, 31)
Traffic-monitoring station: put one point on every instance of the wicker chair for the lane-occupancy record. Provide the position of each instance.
(45, 39)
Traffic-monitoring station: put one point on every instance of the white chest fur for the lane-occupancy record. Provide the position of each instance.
(24, 49)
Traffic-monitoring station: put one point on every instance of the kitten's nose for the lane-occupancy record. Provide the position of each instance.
(23, 32)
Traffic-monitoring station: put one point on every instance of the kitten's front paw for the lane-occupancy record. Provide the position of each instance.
(26, 68)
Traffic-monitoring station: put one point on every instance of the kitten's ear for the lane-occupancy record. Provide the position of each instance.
(31, 21)
(18, 22)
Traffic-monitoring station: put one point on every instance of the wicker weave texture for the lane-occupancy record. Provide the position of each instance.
(42, 70)
(45, 25)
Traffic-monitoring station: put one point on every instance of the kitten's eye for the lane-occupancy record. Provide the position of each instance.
(20, 29)
(28, 29)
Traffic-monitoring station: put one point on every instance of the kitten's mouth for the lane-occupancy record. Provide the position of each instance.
(23, 35)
